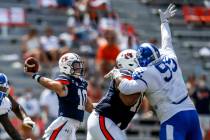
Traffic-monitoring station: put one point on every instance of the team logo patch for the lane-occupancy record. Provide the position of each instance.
(128, 55)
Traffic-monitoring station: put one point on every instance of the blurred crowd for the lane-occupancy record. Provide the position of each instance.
(199, 91)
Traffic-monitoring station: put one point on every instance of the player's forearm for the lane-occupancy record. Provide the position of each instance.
(128, 87)
(20, 113)
(89, 106)
(13, 133)
(17, 109)
(166, 39)
(122, 85)
(165, 30)
(48, 83)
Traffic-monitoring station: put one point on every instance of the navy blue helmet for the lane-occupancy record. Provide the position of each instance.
(147, 53)
(3, 83)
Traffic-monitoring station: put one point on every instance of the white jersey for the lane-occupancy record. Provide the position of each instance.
(161, 82)
(5, 106)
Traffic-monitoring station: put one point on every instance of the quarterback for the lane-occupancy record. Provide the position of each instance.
(71, 90)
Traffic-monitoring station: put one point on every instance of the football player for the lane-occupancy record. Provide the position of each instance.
(71, 89)
(7, 103)
(115, 110)
(160, 78)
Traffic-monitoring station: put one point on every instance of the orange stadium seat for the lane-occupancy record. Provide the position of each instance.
(206, 17)
(190, 14)
(197, 14)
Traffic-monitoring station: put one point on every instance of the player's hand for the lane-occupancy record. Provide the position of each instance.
(28, 122)
(168, 13)
(113, 74)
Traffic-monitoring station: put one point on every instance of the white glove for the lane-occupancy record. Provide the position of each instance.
(28, 122)
(168, 13)
(114, 73)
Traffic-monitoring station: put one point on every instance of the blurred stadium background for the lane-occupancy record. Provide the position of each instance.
(98, 30)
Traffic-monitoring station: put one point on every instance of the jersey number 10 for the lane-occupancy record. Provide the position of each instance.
(82, 99)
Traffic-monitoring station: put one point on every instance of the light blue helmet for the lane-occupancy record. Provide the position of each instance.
(4, 85)
(147, 53)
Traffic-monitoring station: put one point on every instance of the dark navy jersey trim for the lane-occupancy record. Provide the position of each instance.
(143, 81)
(182, 100)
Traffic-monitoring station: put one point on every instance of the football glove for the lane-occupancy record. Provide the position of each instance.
(168, 13)
(28, 122)
(113, 74)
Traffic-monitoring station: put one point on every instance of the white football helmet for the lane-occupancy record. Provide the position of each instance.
(127, 60)
(71, 64)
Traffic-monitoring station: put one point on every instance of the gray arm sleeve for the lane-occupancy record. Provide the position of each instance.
(166, 40)
(128, 87)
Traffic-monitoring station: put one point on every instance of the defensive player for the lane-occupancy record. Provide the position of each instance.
(7, 103)
(71, 89)
(115, 110)
(160, 78)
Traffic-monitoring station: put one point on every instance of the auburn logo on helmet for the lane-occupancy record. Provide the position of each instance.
(64, 59)
(128, 55)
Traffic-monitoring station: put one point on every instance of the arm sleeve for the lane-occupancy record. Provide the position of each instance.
(128, 87)
(166, 40)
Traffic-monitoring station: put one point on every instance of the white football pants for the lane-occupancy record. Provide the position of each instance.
(102, 128)
(62, 128)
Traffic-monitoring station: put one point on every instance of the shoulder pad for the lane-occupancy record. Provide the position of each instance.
(137, 74)
(64, 79)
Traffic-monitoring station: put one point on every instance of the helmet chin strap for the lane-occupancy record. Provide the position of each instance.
(76, 75)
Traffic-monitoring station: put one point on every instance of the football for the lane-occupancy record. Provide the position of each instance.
(31, 65)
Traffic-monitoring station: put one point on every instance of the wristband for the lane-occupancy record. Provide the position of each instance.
(36, 77)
